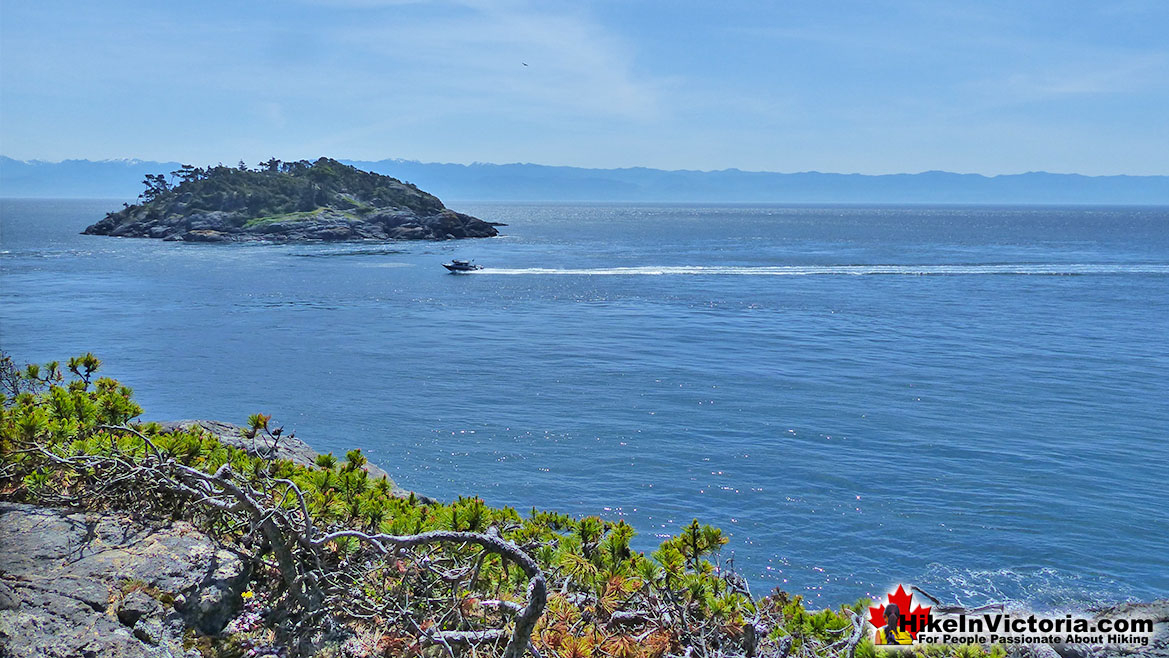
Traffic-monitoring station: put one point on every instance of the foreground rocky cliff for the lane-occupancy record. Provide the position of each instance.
(77, 584)
(297, 201)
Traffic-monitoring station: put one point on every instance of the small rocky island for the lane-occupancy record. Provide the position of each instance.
(286, 201)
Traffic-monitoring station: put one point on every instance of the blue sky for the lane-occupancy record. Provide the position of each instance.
(868, 86)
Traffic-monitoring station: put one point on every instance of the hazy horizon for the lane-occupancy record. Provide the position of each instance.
(343, 158)
(121, 178)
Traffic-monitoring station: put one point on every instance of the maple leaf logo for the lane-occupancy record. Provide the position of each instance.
(912, 622)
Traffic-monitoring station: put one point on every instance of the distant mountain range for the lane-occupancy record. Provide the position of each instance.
(121, 179)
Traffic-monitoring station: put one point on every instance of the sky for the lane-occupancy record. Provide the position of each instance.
(865, 86)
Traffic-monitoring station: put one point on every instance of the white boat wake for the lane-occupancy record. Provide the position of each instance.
(1049, 269)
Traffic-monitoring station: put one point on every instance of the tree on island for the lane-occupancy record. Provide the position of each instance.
(156, 186)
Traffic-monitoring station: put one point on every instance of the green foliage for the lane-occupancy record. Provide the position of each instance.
(943, 651)
(688, 549)
(258, 421)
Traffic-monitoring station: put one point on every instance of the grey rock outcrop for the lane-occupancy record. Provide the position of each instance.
(76, 584)
(325, 225)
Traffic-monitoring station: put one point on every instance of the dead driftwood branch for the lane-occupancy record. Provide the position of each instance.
(301, 551)
(537, 592)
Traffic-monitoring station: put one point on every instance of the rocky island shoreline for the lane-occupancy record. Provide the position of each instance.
(323, 200)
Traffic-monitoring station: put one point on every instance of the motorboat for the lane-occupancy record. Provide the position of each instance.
(457, 266)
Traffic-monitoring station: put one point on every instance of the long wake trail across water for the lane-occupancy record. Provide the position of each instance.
(1039, 269)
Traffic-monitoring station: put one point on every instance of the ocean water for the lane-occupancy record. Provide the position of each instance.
(974, 400)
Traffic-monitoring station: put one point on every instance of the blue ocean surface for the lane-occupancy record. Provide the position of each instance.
(971, 399)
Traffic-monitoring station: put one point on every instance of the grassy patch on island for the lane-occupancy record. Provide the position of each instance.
(268, 220)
